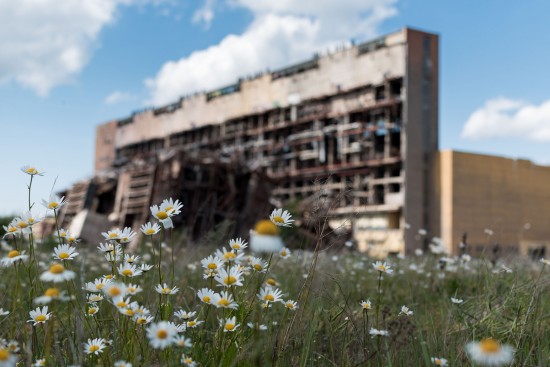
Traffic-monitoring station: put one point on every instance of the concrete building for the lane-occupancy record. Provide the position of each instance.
(495, 200)
(363, 120)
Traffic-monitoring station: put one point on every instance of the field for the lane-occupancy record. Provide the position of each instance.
(167, 302)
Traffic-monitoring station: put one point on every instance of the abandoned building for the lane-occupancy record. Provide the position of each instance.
(362, 121)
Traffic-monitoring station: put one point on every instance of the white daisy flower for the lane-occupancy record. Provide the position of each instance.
(164, 289)
(133, 289)
(188, 361)
(145, 267)
(257, 326)
(439, 361)
(97, 285)
(130, 259)
(406, 311)
(291, 305)
(127, 235)
(162, 334)
(258, 264)
(229, 324)
(231, 278)
(31, 170)
(183, 342)
(172, 207)
(489, 352)
(284, 253)
(545, 261)
(229, 256)
(115, 289)
(129, 270)
(162, 215)
(184, 315)
(366, 305)
(265, 237)
(456, 300)
(212, 263)
(206, 295)
(224, 300)
(57, 274)
(22, 224)
(95, 346)
(375, 332)
(238, 244)
(54, 202)
(65, 252)
(7, 359)
(13, 257)
(112, 235)
(11, 229)
(107, 247)
(143, 319)
(39, 316)
(193, 323)
(382, 267)
(281, 218)
(94, 298)
(92, 309)
(49, 295)
(121, 302)
(13, 346)
(150, 229)
(122, 364)
(270, 294)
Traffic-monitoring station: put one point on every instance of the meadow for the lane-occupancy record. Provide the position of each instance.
(158, 299)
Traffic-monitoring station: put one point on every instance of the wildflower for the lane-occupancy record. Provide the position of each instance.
(265, 237)
(129, 270)
(231, 278)
(54, 202)
(206, 295)
(163, 215)
(162, 334)
(130, 259)
(188, 361)
(94, 346)
(114, 255)
(4, 312)
(73, 239)
(97, 285)
(272, 282)
(212, 262)
(65, 252)
(382, 267)
(112, 235)
(106, 247)
(7, 358)
(121, 302)
(229, 256)
(238, 244)
(115, 289)
(63, 233)
(40, 315)
(172, 207)
(13, 346)
(545, 261)
(143, 319)
(133, 289)
(184, 315)
(269, 294)
(31, 170)
(456, 300)
(93, 298)
(127, 235)
(13, 257)
(489, 352)
(92, 309)
(164, 289)
(193, 323)
(39, 362)
(122, 364)
(366, 305)
(183, 342)
(284, 253)
(439, 361)
(257, 326)
(229, 324)
(405, 311)
(291, 305)
(11, 229)
(150, 229)
(281, 218)
(145, 267)
(23, 225)
(375, 332)
(49, 295)
(258, 264)
(224, 300)
(57, 273)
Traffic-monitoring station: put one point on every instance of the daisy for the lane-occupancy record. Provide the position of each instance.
(130, 259)
(439, 361)
(162, 334)
(284, 253)
(405, 311)
(11, 229)
(22, 224)
(143, 319)
(122, 364)
(13, 257)
(193, 323)
(382, 267)
(366, 305)
(94, 346)
(54, 202)
(162, 215)
(231, 278)
(121, 302)
(212, 262)
(229, 324)
(229, 256)
(115, 255)
(39, 363)
(129, 270)
(281, 218)
(39, 316)
(456, 300)
(183, 342)
(489, 352)
(107, 247)
(164, 289)
(172, 207)
(184, 315)
(258, 264)
(93, 298)
(269, 294)
(97, 285)
(375, 332)
(7, 358)
(257, 326)
(57, 273)
(63, 233)
(64, 252)
(49, 295)
(112, 235)
(92, 309)
(272, 282)
(13, 346)
(31, 170)
(291, 305)
(73, 239)
(133, 289)
(224, 300)
(265, 237)
(150, 229)
(188, 361)
(238, 244)
(127, 235)
(206, 295)
(145, 267)
(115, 289)
(545, 261)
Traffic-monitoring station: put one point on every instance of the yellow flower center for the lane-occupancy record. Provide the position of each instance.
(53, 205)
(94, 348)
(150, 231)
(12, 229)
(4, 354)
(13, 253)
(122, 304)
(229, 256)
(229, 327)
(191, 323)
(212, 266)
(99, 286)
(22, 224)
(188, 360)
(289, 305)
(230, 280)
(108, 276)
(162, 334)
(127, 272)
(114, 291)
(269, 297)
(271, 282)
(278, 219)
(31, 171)
(223, 302)
(141, 320)
(489, 345)
(113, 235)
(92, 310)
(169, 208)
(165, 290)
(381, 268)
(283, 253)
(52, 292)
(266, 227)
(63, 234)
(258, 267)
(236, 246)
(130, 312)
(57, 269)
(438, 362)
(41, 318)
(206, 299)
(64, 255)
(162, 215)
(131, 289)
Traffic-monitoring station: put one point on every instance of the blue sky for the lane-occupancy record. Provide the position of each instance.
(118, 56)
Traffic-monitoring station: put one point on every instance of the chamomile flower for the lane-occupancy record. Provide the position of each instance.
(13, 257)
(258, 264)
(229, 256)
(7, 359)
(270, 294)
(31, 170)
(265, 237)
(184, 315)
(129, 270)
(39, 316)
(206, 295)
(212, 263)
(95, 346)
(94, 297)
(172, 207)
(545, 261)
(50, 295)
(382, 267)
(11, 229)
(112, 235)
(143, 319)
(150, 229)
(272, 282)
(489, 352)
(233, 277)
(97, 285)
(127, 235)
(229, 324)
(162, 334)
(456, 300)
(145, 267)
(366, 305)
(164, 289)
(115, 289)
(130, 259)
(257, 326)
(188, 361)
(439, 361)
(238, 244)
(291, 305)
(406, 311)
(107, 247)
(64, 252)
(13, 346)
(54, 202)
(284, 253)
(183, 342)
(92, 309)
(224, 300)
(122, 364)
(121, 302)
(281, 218)
(193, 323)
(22, 224)
(115, 255)
(375, 332)
(133, 289)
(163, 215)
(57, 274)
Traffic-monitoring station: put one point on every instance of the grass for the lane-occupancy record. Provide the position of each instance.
(329, 327)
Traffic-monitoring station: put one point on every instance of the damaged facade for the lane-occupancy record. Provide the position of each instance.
(362, 120)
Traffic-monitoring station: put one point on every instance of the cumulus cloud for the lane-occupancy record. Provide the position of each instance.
(282, 32)
(504, 117)
(118, 97)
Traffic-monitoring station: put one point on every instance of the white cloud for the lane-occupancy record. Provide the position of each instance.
(205, 14)
(118, 97)
(282, 32)
(503, 117)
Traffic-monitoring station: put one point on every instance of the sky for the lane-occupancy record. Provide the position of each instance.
(68, 65)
